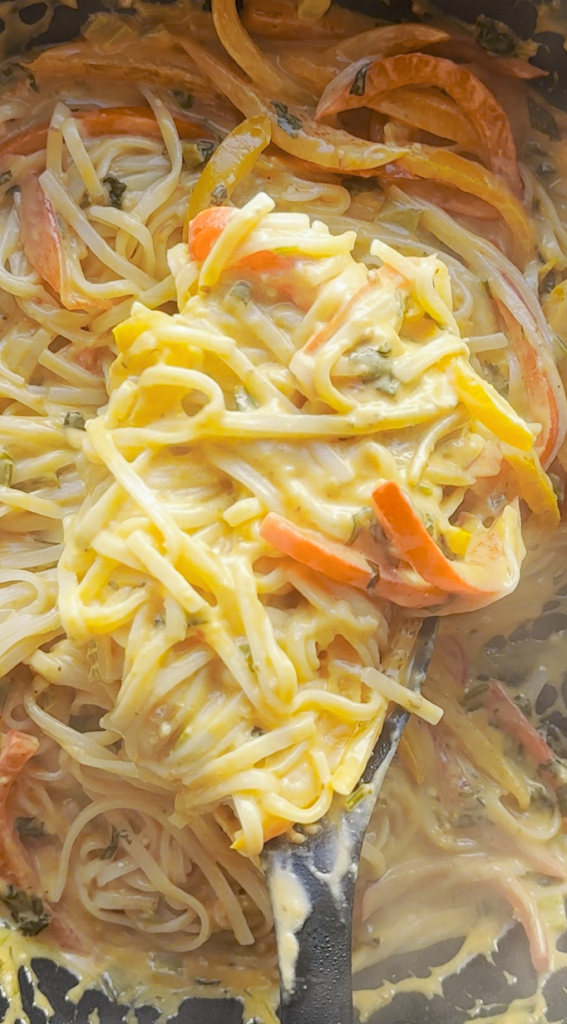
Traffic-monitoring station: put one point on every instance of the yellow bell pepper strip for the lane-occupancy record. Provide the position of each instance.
(487, 569)
(489, 408)
(535, 487)
(338, 562)
(438, 164)
(230, 163)
(539, 388)
(362, 82)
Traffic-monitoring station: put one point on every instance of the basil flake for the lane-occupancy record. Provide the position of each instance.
(286, 121)
(116, 190)
(32, 827)
(27, 911)
(115, 836)
(358, 86)
(493, 37)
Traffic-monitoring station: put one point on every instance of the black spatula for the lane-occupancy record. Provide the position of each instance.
(312, 885)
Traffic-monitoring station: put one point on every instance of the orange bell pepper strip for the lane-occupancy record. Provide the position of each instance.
(541, 396)
(43, 246)
(483, 573)
(207, 226)
(105, 121)
(359, 84)
(278, 19)
(231, 162)
(448, 168)
(338, 562)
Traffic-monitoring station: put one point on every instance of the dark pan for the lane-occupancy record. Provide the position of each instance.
(482, 982)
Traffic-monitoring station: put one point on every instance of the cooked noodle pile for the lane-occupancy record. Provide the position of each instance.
(272, 390)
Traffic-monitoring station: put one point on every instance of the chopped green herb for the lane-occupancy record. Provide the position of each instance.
(286, 121)
(32, 827)
(387, 383)
(240, 292)
(197, 153)
(493, 37)
(27, 911)
(472, 697)
(116, 190)
(76, 420)
(184, 99)
(219, 195)
(558, 484)
(358, 794)
(243, 400)
(358, 86)
(115, 836)
(542, 120)
(244, 647)
(5, 177)
(360, 521)
(6, 468)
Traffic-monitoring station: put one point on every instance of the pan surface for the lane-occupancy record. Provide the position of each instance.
(484, 987)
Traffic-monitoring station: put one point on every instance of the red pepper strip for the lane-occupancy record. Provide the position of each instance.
(104, 121)
(514, 722)
(359, 84)
(42, 244)
(15, 865)
(543, 403)
(39, 232)
(343, 564)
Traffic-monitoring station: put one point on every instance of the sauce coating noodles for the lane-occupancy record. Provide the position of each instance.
(280, 371)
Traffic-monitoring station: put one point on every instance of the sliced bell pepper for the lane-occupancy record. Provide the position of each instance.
(541, 396)
(231, 162)
(338, 562)
(535, 487)
(486, 570)
(489, 408)
(359, 84)
(104, 121)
